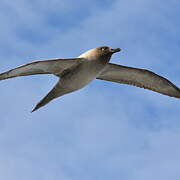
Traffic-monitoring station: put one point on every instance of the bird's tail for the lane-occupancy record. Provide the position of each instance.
(56, 92)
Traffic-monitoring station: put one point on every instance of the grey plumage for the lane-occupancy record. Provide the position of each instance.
(50, 66)
(139, 77)
(75, 73)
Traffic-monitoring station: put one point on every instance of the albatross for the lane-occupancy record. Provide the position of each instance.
(75, 73)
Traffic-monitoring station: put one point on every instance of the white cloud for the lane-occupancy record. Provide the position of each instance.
(106, 130)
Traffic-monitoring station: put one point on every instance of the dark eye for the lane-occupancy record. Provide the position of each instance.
(103, 48)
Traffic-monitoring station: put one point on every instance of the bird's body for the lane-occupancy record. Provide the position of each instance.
(77, 76)
(81, 75)
(75, 73)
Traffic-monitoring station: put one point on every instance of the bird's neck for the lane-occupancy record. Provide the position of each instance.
(105, 58)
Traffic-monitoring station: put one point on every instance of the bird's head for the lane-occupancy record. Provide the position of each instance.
(106, 50)
(100, 53)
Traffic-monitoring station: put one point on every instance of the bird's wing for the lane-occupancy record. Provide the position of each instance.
(51, 66)
(139, 77)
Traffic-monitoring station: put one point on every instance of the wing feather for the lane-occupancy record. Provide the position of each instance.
(139, 77)
(51, 66)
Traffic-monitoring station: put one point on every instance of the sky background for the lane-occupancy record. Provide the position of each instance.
(105, 130)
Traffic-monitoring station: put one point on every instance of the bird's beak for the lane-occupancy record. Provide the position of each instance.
(115, 50)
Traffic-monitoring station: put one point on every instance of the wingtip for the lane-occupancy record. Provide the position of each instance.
(174, 91)
(3, 76)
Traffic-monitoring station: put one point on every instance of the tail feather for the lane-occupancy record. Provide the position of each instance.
(43, 102)
(56, 92)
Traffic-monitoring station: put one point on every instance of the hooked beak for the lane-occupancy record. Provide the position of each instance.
(115, 50)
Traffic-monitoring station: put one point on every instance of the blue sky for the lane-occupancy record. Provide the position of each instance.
(105, 130)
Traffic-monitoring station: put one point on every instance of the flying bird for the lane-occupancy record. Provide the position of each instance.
(75, 73)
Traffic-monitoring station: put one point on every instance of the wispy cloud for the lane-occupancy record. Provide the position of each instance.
(106, 130)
